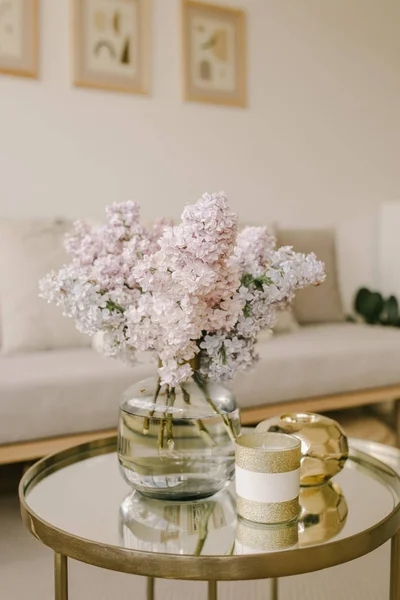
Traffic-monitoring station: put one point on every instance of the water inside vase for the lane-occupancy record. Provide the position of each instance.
(196, 461)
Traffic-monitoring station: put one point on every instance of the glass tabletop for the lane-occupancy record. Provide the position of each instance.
(89, 499)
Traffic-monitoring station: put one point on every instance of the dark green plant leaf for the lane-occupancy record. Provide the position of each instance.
(369, 305)
(391, 310)
(375, 309)
(247, 310)
(111, 305)
(361, 297)
(247, 279)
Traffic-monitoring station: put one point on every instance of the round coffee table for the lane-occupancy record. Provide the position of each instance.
(77, 503)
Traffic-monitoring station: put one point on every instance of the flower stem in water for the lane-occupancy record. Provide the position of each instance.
(161, 434)
(146, 420)
(202, 383)
(185, 394)
(170, 404)
(198, 424)
(204, 433)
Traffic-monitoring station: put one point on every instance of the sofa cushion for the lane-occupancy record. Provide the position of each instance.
(48, 394)
(320, 360)
(28, 251)
(286, 321)
(320, 304)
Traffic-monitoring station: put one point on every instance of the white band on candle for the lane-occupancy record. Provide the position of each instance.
(267, 487)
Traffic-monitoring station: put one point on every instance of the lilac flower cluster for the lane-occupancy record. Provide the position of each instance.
(195, 289)
(268, 283)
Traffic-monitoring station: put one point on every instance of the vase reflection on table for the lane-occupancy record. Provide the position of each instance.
(192, 528)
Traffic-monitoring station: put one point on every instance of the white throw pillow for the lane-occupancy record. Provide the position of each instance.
(28, 251)
(323, 303)
(286, 322)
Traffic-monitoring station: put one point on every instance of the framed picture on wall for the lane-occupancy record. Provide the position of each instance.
(19, 37)
(111, 44)
(214, 53)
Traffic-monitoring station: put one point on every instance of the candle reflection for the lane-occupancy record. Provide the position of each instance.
(256, 538)
(323, 514)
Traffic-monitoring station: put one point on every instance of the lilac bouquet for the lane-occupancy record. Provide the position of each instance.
(197, 293)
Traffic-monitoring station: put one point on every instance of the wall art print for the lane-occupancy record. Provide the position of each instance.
(214, 53)
(111, 44)
(19, 35)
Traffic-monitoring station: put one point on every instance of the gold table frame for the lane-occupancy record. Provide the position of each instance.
(212, 569)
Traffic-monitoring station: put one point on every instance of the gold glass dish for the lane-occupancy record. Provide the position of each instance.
(324, 446)
(71, 502)
(323, 513)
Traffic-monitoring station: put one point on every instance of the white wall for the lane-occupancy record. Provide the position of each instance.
(389, 248)
(319, 143)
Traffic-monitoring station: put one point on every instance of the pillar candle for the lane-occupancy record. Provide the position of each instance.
(268, 477)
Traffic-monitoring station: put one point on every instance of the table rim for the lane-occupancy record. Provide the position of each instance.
(208, 567)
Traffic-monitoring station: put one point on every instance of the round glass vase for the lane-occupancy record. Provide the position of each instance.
(178, 443)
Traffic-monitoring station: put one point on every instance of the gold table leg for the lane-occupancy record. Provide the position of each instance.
(395, 567)
(150, 588)
(274, 588)
(397, 421)
(212, 590)
(60, 577)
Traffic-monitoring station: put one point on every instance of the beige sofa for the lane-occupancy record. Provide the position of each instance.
(55, 390)
(49, 400)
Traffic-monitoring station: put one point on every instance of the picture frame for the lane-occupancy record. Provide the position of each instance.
(19, 38)
(214, 53)
(111, 41)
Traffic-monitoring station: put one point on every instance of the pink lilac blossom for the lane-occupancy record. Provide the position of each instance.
(253, 246)
(197, 288)
(190, 283)
(269, 281)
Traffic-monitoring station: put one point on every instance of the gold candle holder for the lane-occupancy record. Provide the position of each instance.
(268, 477)
(323, 442)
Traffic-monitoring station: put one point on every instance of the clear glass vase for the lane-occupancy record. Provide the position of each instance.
(178, 443)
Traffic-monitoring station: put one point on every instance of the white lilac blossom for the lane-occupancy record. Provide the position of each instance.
(253, 246)
(197, 289)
